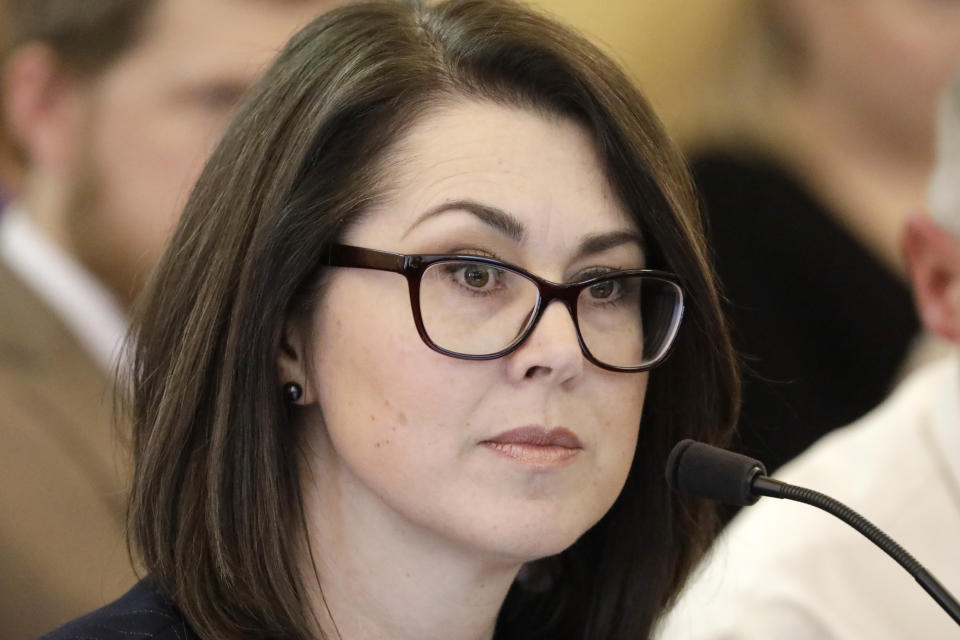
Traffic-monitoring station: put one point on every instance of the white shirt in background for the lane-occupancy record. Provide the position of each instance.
(81, 302)
(788, 571)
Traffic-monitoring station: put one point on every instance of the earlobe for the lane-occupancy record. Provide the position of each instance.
(933, 258)
(43, 106)
(292, 365)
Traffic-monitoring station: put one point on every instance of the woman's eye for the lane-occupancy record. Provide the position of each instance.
(603, 290)
(476, 276)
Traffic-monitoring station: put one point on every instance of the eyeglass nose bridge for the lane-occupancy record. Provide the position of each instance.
(548, 293)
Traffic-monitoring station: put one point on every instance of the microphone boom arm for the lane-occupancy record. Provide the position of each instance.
(765, 486)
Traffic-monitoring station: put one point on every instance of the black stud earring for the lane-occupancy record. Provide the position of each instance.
(292, 391)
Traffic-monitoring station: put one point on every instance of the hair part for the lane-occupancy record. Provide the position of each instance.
(216, 511)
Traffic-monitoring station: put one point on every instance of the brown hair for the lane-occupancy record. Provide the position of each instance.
(216, 509)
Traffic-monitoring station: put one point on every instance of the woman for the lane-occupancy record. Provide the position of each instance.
(325, 450)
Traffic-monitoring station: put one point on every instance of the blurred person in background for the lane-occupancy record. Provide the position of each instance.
(787, 571)
(112, 107)
(9, 174)
(9, 169)
(818, 141)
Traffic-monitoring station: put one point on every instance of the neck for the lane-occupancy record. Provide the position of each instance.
(383, 576)
(45, 202)
(52, 205)
(870, 174)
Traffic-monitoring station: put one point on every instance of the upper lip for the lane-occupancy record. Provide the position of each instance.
(538, 436)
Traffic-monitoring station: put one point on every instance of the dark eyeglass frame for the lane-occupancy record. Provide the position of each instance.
(413, 266)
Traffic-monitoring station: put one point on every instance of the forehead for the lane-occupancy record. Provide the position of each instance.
(542, 169)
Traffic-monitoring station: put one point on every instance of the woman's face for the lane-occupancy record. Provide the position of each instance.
(452, 449)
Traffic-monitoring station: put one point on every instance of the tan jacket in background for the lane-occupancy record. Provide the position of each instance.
(62, 473)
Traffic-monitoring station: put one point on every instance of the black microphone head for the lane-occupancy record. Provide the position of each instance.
(710, 472)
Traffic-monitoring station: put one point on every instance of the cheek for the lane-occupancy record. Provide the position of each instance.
(148, 154)
(383, 392)
(912, 52)
(622, 424)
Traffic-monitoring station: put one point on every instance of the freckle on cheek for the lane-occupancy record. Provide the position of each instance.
(372, 418)
(402, 418)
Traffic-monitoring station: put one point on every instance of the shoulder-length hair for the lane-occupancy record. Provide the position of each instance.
(216, 512)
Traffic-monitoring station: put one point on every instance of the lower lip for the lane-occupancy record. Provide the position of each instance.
(545, 456)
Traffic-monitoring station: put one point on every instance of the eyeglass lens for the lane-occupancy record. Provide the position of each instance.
(472, 308)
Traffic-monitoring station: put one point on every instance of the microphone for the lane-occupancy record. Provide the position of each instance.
(716, 474)
(709, 472)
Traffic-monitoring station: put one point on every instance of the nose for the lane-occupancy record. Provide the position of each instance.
(551, 351)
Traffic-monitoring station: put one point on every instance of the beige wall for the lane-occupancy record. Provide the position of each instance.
(668, 46)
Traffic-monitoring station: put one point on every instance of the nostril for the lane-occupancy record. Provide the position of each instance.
(537, 370)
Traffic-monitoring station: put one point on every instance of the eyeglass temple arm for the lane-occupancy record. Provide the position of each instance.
(342, 255)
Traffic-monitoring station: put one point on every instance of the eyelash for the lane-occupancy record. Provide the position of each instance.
(582, 274)
(593, 272)
(482, 253)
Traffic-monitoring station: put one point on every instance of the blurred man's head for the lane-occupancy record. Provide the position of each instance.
(114, 106)
(932, 241)
(887, 62)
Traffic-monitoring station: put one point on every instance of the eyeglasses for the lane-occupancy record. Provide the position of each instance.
(479, 308)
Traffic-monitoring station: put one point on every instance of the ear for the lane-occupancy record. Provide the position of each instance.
(933, 259)
(43, 107)
(293, 363)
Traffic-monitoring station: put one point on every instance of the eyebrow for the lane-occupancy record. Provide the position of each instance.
(512, 228)
(498, 219)
(600, 242)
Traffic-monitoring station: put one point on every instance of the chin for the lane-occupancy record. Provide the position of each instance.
(526, 530)
(532, 541)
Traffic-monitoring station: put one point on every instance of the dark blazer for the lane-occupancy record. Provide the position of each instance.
(142, 614)
(62, 549)
(823, 326)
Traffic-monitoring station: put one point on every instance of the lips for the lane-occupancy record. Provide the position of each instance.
(536, 446)
(538, 437)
